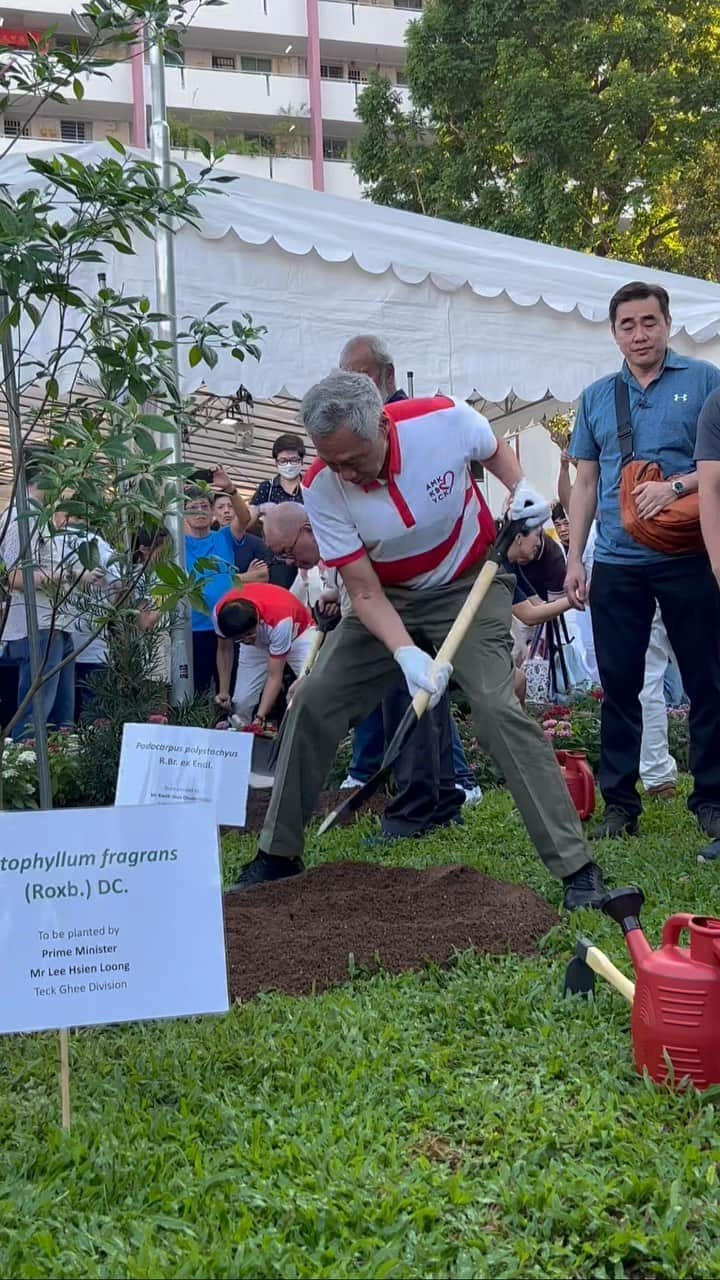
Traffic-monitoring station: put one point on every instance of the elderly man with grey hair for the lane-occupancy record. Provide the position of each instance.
(394, 508)
(428, 796)
(434, 758)
(368, 354)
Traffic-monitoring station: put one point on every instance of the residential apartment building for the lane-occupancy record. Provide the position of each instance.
(276, 80)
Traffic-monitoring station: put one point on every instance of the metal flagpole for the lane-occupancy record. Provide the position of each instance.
(22, 506)
(181, 636)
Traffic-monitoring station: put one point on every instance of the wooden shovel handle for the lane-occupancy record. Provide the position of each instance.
(459, 628)
(314, 651)
(604, 967)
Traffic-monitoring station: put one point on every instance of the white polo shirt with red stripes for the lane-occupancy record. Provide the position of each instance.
(426, 522)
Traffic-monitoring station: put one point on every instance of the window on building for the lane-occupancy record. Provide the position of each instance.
(408, 4)
(264, 142)
(258, 66)
(223, 62)
(75, 131)
(15, 129)
(335, 148)
(331, 70)
(401, 76)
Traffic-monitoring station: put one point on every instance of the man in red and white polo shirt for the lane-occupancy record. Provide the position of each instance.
(395, 509)
(273, 629)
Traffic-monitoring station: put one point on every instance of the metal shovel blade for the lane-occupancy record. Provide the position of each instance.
(579, 979)
(358, 798)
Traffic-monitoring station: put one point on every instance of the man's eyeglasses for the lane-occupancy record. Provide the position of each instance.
(289, 555)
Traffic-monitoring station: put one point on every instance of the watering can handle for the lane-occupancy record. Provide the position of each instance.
(673, 927)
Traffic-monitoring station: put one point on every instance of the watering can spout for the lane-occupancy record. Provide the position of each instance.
(623, 906)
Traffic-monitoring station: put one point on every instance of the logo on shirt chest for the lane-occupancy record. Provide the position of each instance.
(441, 486)
(678, 398)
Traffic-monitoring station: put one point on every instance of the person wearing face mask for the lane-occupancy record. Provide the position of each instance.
(289, 453)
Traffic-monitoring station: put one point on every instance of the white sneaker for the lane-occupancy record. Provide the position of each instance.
(350, 783)
(473, 795)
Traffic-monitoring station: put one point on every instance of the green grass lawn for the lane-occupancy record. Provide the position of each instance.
(463, 1123)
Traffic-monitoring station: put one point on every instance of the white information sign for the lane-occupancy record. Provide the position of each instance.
(165, 764)
(109, 915)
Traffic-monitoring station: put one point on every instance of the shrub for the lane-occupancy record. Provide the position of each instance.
(19, 773)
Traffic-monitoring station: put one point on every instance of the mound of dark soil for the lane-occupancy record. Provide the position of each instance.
(309, 932)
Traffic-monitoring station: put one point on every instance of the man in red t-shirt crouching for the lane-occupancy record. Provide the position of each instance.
(272, 628)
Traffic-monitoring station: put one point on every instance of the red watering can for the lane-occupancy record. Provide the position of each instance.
(579, 780)
(676, 1006)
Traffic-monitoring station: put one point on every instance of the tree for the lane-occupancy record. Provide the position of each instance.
(105, 398)
(566, 121)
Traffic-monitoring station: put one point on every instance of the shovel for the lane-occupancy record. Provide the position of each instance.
(589, 960)
(421, 701)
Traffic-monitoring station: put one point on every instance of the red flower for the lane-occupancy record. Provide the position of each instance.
(597, 694)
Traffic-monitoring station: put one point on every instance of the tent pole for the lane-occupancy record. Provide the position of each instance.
(22, 506)
(181, 636)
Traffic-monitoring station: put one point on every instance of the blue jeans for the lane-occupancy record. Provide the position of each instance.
(673, 687)
(369, 744)
(57, 693)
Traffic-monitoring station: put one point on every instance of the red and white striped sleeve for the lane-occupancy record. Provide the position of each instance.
(479, 438)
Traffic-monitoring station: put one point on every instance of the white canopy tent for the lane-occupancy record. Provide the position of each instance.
(468, 311)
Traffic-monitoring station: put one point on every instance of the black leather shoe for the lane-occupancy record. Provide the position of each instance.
(616, 823)
(708, 816)
(265, 868)
(584, 888)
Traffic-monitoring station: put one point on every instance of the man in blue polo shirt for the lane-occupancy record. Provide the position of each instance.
(232, 556)
(666, 393)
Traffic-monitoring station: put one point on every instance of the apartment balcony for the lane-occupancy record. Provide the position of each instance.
(339, 176)
(295, 172)
(374, 24)
(339, 98)
(341, 180)
(109, 89)
(234, 92)
(255, 17)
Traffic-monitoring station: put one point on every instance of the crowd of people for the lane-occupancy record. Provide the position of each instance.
(362, 560)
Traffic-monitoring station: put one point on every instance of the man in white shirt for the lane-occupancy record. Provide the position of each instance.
(55, 570)
(394, 507)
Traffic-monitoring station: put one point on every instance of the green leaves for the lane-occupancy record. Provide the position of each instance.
(576, 125)
(157, 424)
(120, 397)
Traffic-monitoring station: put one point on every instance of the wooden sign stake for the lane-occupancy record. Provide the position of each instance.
(65, 1079)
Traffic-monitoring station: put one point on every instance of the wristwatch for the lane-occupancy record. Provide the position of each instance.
(678, 488)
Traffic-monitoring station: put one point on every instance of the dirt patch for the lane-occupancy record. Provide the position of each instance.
(259, 799)
(298, 935)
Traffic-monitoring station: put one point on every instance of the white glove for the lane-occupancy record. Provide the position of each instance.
(417, 668)
(529, 505)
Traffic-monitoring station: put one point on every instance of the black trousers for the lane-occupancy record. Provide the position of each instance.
(428, 795)
(622, 601)
(204, 661)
